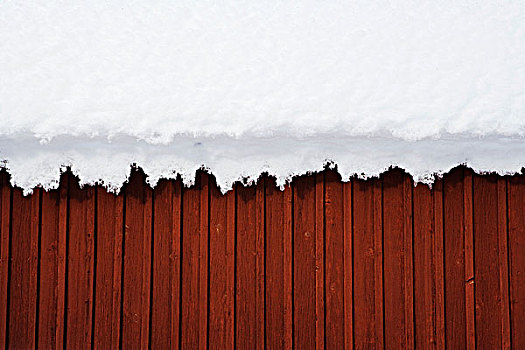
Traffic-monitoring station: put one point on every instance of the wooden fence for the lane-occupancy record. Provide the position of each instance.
(322, 264)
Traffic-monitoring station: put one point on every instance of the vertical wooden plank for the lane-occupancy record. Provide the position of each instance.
(5, 210)
(288, 242)
(368, 264)
(304, 263)
(320, 312)
(408, 260)
(222, 268)
(260, 265)
(503, 263)
(166, 265)
(348, 288)
(275, 292)
(439, 264)
(250, 267)
(398, 278)
(469, 260)
(279, 267)
(516, 258)
(428, 267)
(455, 229)
(204, 263)
(194, 258)
(110, 218)
(486, 257)
(23, 270)
(53, 266)
(378, 250)
(63, 232)
(335, 261)
(80, 268)
(137, 263)
(246, 260)
(424, 277)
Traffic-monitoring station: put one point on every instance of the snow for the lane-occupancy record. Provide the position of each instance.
(247, 87)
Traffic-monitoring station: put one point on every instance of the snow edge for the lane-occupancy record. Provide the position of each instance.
(97, 161)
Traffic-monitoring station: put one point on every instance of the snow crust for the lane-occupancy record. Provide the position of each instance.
(244, 87)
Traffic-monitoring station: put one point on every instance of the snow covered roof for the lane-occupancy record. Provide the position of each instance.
(242, 87)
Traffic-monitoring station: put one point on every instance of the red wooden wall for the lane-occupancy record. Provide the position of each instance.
(322, 264)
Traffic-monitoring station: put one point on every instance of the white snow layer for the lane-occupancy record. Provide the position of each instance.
(244, 87)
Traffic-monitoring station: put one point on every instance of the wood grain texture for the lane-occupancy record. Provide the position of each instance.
(348, 266)
(165, 306)
(469, 253)
(279, 331)
(305, 264)
(503, 262)
(368, 264)
(80, 265)
(137, 264)
(5, 224)
(23, 270)
(428, 267)
(194, 289)
(110, 211)
(249, 267)
(334, 247)
(52, 287)
(488, 293)
(516, 259)
(320, 266)
(222, 270)
(397, 248)
(365, 264)
(455, 228)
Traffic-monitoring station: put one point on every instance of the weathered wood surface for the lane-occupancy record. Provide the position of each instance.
(323, 264)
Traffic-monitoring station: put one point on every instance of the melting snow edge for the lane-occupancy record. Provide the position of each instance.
(95, 160)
